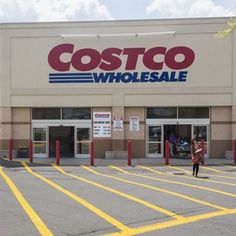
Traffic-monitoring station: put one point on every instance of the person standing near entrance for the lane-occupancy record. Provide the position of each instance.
(172, 140)
(196, 156)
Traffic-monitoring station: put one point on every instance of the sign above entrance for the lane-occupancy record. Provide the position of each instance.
(102, 124)
(87, 60)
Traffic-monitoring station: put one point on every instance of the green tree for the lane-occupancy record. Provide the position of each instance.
(226, 32)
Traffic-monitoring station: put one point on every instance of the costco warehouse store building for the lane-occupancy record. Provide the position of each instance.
(113, 81)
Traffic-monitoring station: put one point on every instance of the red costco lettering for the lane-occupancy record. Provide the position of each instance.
(54, 57)
(148, 58)
(132, 58)
(171, 62)
(109, 59)
(94, 59)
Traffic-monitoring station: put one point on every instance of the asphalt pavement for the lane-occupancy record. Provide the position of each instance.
(145, 199)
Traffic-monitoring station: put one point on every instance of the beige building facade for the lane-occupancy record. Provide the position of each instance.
(114, 81)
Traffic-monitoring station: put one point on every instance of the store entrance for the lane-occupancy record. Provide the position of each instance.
(180, 136)
(65, 135)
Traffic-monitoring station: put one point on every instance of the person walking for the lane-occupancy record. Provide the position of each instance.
(196, 156)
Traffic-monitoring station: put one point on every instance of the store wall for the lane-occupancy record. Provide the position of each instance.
(119, 139)
(118, 142)
(1, 74)
(137, 137)
(16, 125)
(5, 127)
(21, 126)
(26, 68)
(221, 131)
(234, 123)
(234, 89)
(211, 79)
(101, 145)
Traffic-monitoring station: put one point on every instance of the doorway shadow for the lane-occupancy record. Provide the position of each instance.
(65, 135)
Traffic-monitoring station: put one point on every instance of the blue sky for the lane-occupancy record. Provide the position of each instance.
(79, 10)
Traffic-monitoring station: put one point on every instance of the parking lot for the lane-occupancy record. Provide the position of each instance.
(39, 199)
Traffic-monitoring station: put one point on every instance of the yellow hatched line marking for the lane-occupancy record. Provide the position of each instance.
(228, 166)
(189, 177)
(212, 169)
(157, 189)
(176, 182)
(125, 195)
(172, 223)
(219, 176)
(152, 170)
(34, 217)
(86, 204)
(178, 168)
(147, 168)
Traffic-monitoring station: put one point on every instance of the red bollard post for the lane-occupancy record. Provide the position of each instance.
(10, 149)
(30, 151)
(203, 151)
(92, 154)
(129, 152)
(167, 152)
(58, 152)
(235, 151)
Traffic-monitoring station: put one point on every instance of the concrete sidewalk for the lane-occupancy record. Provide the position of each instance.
(142, 161)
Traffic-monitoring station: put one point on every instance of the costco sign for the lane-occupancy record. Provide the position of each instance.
(110, 60)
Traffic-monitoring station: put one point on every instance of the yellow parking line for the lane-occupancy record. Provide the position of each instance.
(172, 223)
(125, 195)
(189, 177)
(147, 168)
(228, 166)
(181, 169)
(157, 189)
(150, 169)
(212, 169)
(86, 204)
(187, 171)
(34, 217)
(176, 182)
(234, 166)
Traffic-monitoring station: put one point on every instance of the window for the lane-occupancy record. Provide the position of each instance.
(76, 113)
(162, 113)
(68, 113)
(193, 112)
(46, 113)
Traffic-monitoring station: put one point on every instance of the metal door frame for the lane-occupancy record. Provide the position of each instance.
(157, 155)
(89, 126)
(47, 140)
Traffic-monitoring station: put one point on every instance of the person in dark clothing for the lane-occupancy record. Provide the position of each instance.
(196, 156)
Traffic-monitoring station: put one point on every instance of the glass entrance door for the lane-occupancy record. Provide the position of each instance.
(82, 142)
(200, 132)
(40, 137)
(155, 141)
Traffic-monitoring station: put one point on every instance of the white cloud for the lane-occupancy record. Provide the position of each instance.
(52, 10)
(187, 8)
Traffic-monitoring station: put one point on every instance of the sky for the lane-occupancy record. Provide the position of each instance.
(83, 10)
